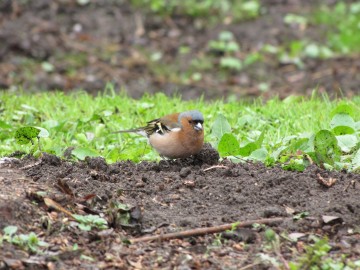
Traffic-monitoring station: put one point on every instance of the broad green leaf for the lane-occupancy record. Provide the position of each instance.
(220, 127)
(299, 144)
(226, 36)
(326, 147)
(4, 125)
(356, 161)
(10, 230)
(343, 109)
(81, 138)
(248, 149)
(43, 132)
(121, 206)
(245, 120)
(260, 140)
(231, 63)
(50, 124)
(343, 130)
(259, 154)
(228, 145)
(25, 135)
(347, 142)
(295, 165)
(357, 125)
(82, 152)
(342, 119)
(276, 153)
(84, 227)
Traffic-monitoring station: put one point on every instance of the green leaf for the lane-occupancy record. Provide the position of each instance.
(347, 142)
(220, 127)
(228, 145)
(246, 150)
(326, 147)
(260, 140)
(356, 161)
(299, 144)
(226, 36)
(259, 154)
(84, 227)
(342, 119)
(43, 132)
(4, 125)
(343, 130)
(231, 63)
(10, 230)
(82, 152)
(295, 164)
(343, 109)
(25, 135)
(122, 206)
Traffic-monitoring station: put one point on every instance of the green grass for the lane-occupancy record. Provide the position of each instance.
(343, 21)
(86, 123)
(209, 9)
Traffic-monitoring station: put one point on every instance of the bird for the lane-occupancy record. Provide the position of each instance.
(177, 135)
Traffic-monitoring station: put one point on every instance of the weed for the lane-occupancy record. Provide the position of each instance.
(86, 223)
(237, 10)
(343, 23)
(29, 241)
(293, 132)
(336, 147)
(317, 256)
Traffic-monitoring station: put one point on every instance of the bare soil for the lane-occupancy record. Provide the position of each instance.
(172, 196)
(62, 45)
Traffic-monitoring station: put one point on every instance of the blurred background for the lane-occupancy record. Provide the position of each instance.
(228, 48)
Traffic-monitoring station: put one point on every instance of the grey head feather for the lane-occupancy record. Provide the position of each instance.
(194, 115)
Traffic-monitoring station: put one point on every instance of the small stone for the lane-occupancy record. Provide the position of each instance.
(185, 172)
(189, 183)
(272, 212)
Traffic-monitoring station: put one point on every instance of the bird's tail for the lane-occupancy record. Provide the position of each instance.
(140, 131)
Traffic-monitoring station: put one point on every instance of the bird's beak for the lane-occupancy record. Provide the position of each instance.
(198, 126)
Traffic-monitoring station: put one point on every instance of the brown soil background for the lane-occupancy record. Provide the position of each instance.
(172, 196)
(109, 41)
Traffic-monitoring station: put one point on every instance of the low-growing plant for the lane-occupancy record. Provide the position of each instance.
(317, 256)
(237, 10)
(227, 47)
(343, 25)
(88, 222)
(29, 241)
(336, 147)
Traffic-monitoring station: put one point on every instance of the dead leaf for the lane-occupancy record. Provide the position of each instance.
(136, 265)
(50, 203)
(64, 187)
(328, 219)
(295, 236)
(289, 210)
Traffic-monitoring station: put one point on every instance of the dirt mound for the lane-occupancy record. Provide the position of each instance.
(191, 193)
(171, 196)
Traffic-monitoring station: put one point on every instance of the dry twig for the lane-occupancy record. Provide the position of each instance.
(351, 183)
(326, 183)
(203, 231)
(215, 167)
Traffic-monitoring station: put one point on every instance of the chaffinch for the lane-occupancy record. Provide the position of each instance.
(177, 135)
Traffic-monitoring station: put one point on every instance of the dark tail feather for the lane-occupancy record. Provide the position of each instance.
(139, 131)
